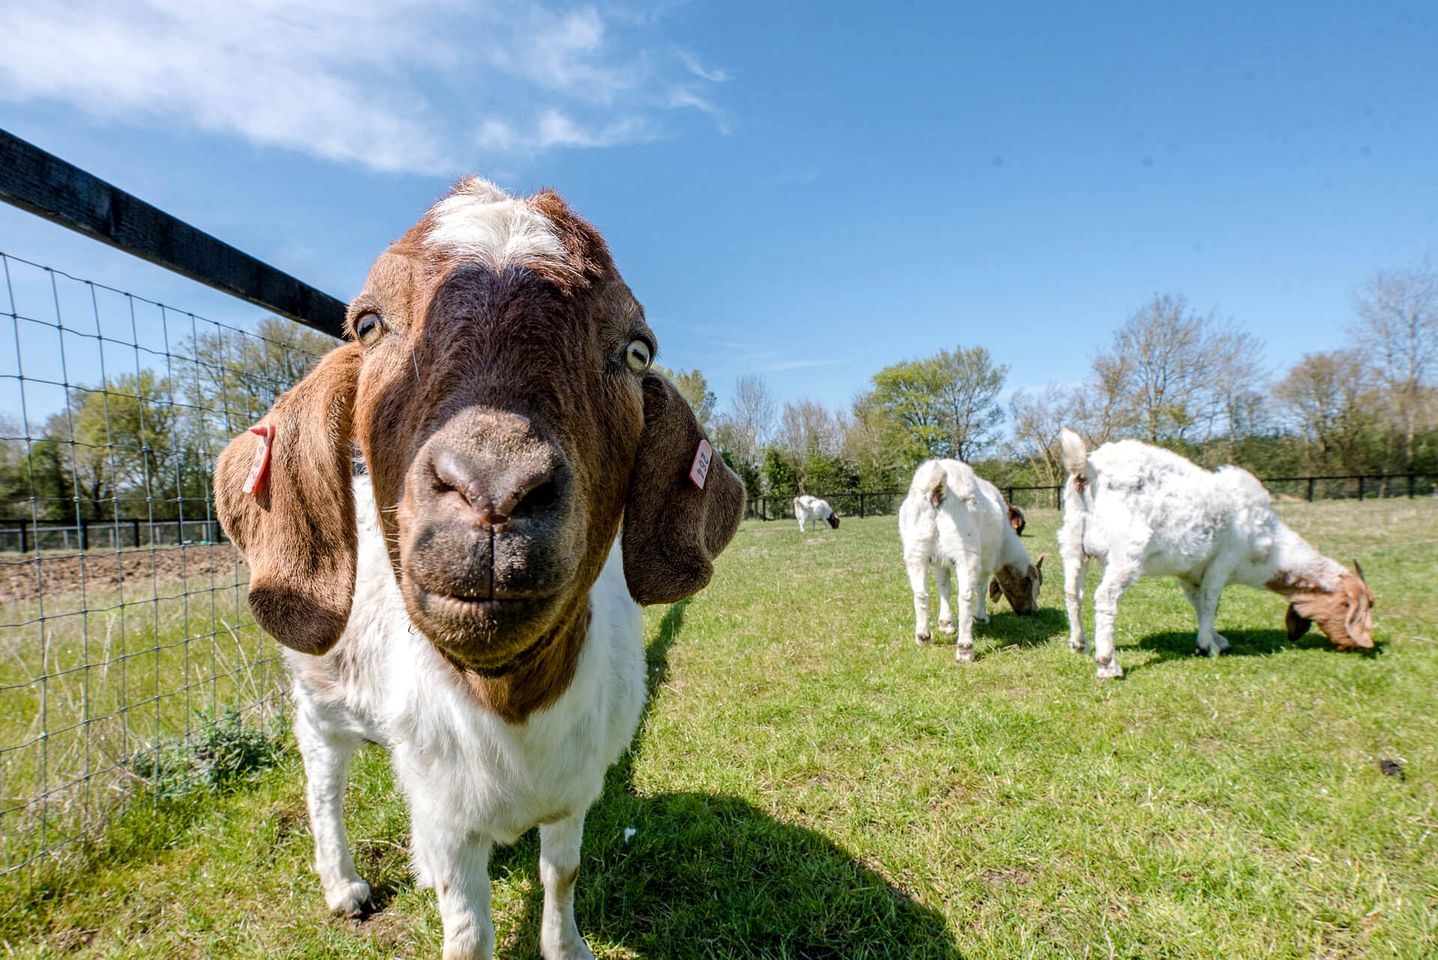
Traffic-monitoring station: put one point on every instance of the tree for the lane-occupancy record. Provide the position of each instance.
(1172, 377)
(1037, 419)
(238, 377)
(748, 423)
(122, 439)
(1398, 322)
(812, 439)
(947, 404)
(969, 387)
(1331, 399)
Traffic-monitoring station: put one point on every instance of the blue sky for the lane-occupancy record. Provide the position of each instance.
(803, 191)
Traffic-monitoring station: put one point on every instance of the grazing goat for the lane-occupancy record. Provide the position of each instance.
(467, 604)
(812, 508)
(1016, 519)
(954, 521)
(1146, 511)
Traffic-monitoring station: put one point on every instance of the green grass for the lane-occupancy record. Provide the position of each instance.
(809, 783)
(101, 689)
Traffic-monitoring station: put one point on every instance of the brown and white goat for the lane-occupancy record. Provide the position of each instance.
(1146, 511)
(467, 604)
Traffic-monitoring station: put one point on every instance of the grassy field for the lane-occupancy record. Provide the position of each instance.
(809, 783)
(98, 686)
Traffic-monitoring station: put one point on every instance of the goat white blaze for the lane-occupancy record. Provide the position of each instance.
(481, 222)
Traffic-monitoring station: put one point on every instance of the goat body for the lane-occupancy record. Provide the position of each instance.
(808, 508)
(958, 524)
(1146, 511)
(472, 779)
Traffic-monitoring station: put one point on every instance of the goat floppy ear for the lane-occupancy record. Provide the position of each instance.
(297, 530)
(995, 591)
(673, 527)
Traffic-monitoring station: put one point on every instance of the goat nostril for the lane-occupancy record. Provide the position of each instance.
(537, 499)
(451, 473)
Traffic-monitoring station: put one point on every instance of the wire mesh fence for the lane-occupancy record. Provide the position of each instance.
(124, 630)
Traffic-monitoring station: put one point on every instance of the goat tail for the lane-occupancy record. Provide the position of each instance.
(1075, 456)
(935, 483)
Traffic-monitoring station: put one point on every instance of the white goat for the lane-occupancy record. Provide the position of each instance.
(956, 522)
(467, 604)
(1146, 511)
(812, 508)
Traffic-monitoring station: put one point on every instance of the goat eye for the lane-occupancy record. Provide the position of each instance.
(369, 328)
(637, 355)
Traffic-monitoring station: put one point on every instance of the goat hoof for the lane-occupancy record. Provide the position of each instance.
(964, 653)
(981, 618)
(1109, 671)
(567, 951)
(921, 638)
(1221, 644)
(351, 900)
(946, 626)
(1077, 647)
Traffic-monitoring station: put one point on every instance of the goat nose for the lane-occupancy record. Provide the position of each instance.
(494, 491)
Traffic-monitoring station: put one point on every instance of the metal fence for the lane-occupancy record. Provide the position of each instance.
(124, 630)
(867, 503)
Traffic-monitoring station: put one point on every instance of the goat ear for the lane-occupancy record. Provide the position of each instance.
(1039, 564)
(297, 530)
(1359, 570)
(995, 591)
(677, 517)
(1296, 623)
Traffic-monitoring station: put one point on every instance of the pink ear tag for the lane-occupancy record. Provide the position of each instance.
(261, 465)
(699, 471)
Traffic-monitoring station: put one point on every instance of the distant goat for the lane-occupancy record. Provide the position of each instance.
(812, 508)
(1146, 511)
(468, 604)
(957, 523)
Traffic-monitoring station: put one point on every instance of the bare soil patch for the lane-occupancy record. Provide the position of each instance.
(23, 578)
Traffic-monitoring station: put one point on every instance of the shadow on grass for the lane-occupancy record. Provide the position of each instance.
(1025, 630)
(1182, 645)
(715, 876)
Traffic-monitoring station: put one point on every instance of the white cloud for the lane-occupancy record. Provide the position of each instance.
(402, 85)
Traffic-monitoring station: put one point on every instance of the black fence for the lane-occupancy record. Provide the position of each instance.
(1347, 487)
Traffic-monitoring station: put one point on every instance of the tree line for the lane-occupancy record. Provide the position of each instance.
(1169, 375)
(143, 444)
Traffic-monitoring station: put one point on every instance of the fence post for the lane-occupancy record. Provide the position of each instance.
(1310, 489)
(24, 538)
(1360, 489)
(135, 529)
(84, 535)
(861, 498)
(1411, 479)
(1058, 494)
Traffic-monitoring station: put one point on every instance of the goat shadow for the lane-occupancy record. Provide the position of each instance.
(1183, 645)
(1008, 629)
(714, 876)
